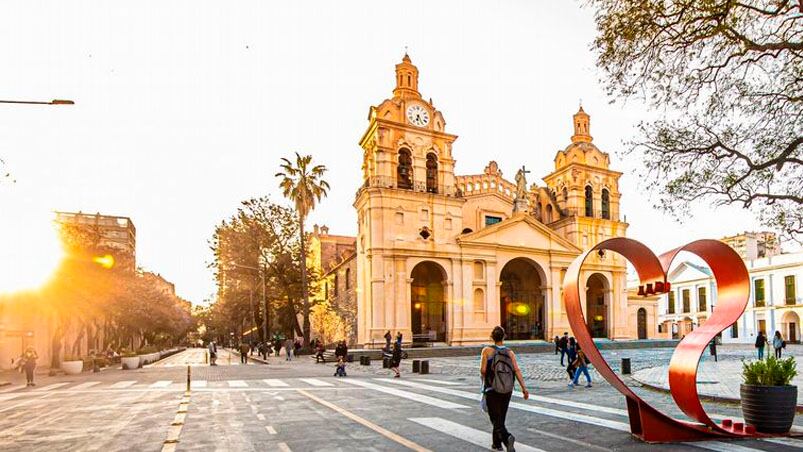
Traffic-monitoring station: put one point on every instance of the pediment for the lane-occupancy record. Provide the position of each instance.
(521, 230)
(687, 272)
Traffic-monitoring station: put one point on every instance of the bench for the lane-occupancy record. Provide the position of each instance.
(423, 338)
(328, 355)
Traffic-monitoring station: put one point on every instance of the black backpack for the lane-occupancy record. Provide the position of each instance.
(503, 375)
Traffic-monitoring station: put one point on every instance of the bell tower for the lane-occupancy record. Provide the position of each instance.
(407, 205)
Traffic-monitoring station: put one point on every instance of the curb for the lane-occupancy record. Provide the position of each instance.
(703, 397)
(5, 383)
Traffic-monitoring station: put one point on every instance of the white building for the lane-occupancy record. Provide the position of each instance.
(775, 301)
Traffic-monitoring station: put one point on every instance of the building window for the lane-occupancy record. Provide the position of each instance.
(432, 173)
(404, 172)
(789, 285)
(589, 201)
(670, 305)
(565, 197)
(348, 278)
(479, 271)
(489, 220)
(549, 213)
(336, 284)
(686, 300)
(701, 301)
(758, 285)
(606, 204)
(479, 300)
(735, 330)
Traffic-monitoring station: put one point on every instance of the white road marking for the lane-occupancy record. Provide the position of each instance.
(440, 382)
(789, 442)
(721, 446)
(86, 385)
(237, 384)
(315, 382)
(472, 435)
(11, 388)
(270, 429)
(283, 447)
(123, 384)
(161, 384)
(260, 416)
(197, 384)
(279, 398)
(274, 383)
(407, 395)
(51, 387)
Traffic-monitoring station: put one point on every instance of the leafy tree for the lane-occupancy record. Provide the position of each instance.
(728, 75)
(303, 184)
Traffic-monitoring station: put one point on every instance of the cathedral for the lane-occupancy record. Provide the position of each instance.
(444, 258)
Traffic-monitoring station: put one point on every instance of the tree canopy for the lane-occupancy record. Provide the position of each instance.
(727, 76)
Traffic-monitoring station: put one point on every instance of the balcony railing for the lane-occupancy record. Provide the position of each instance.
(417, 186)
(597, 213)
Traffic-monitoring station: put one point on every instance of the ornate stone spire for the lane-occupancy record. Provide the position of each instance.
(406, 79)
(582, 132)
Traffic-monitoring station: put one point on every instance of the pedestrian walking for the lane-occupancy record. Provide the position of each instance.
(581, 366)
(27, 362)
(288, 349)
(388, 338)
(499, 370)
(244, 349)
(395, 359)
(212, 353)
(399, 338)
(563, 344)
(778, 344)
(557, 344)
(319, 353)
(296, 347)
(761, 341)
(572, 355)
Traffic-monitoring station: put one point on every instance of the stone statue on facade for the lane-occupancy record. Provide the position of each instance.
(520, 200)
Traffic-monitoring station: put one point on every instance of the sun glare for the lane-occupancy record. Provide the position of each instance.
(30, 250)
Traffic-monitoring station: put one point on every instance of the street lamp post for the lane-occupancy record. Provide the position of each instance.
(264, 299)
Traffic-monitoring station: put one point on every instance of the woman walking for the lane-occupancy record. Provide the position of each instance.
(778, 344)
(395, 359)
(498, 368)
(581, 364)
(761, 341)
(571, 351)
(28, 363)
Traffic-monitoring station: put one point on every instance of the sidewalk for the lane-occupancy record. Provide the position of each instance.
(718, 380)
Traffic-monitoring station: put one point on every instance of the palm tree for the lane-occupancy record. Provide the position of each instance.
(303, 184)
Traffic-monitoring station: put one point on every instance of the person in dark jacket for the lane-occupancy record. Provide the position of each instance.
(388, 338)
(563, 344)
(761, 341)
(395, 359)
(572, 354)
(28, 363)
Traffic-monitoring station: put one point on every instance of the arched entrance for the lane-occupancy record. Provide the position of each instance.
(428, 303)
(597, 305)
(790, 324)
(641, 323)
(521, 300)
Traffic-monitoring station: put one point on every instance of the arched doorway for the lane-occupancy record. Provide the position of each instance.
(790, 324)
(597, 305)
(428, 303)
(641, 323)
(521, 298)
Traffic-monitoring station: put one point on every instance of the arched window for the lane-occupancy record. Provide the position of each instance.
(348, 278)
(606, 204)
(589, 201)
(549, 213)
(404, 172)
(432, 173)
(479, 300)
(565, 197)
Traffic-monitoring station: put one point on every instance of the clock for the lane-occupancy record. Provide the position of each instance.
(417, 115)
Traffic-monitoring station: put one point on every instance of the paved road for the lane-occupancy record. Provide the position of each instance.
(300, 406)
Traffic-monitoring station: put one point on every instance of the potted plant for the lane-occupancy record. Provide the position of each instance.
(72, 365)
(768, 400)
(130, 360)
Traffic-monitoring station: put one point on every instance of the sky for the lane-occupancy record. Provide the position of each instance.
(183, 109)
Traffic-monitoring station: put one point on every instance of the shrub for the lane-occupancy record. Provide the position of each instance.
(770, 372)
(148, 349)
(128, 354)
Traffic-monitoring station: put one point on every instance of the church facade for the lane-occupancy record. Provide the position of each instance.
(443, 257)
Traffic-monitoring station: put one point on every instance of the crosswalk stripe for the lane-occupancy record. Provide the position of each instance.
(11, 388)
(472, 435)
(51, 387)
(270, 429)
(198, 384)
(161, 384)
(274, 383)
(600, 422)
(88, 384)
(407, 395)
(789, 442)
(315, 382)
(237, 384)
(440, 382)
(123, 384)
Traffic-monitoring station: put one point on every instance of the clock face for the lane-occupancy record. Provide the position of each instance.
(418, 115)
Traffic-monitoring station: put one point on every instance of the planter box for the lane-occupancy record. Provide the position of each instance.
(72, 367)
(131, 362)
(770, 409)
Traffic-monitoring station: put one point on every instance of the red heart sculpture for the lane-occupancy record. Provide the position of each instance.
(733, 291)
